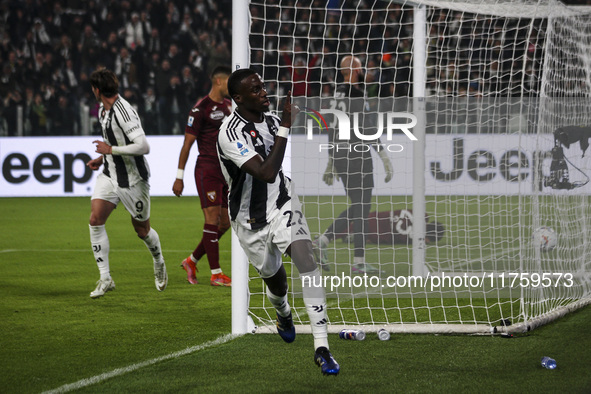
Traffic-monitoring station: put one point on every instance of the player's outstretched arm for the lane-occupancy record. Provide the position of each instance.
(138, 146)
(267, 170)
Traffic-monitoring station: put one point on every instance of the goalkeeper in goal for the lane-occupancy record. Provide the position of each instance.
(354, 167)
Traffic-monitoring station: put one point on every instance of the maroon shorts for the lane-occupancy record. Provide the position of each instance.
(211, 187)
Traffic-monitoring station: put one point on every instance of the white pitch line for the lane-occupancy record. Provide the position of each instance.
(134, 367)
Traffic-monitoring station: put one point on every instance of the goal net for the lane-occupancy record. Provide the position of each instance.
(482, 111)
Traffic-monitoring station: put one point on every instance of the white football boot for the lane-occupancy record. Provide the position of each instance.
(102, 286)
(160, 276)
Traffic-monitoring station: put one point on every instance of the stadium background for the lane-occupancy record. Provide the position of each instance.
(53, 336)
(162, 52)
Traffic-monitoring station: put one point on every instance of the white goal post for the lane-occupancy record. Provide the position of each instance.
(489, 83)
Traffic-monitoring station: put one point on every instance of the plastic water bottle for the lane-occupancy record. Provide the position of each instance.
(548, 363)
(384, 335)
(352, 334)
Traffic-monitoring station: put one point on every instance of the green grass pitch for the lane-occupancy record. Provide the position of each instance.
(54, 334)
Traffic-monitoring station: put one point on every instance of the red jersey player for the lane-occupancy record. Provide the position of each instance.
(395, 227)
(203, 125)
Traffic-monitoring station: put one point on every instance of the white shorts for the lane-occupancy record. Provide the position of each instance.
(265, 247)
(136, 198)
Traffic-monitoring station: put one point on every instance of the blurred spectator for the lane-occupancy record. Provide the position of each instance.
(62, 118)
(299, 72)
(110, 50)
(8, 82)
(157, 13)
(174, 107)
(58, 16)
(173, 11)
(125, 69)
(49, 63)
(64, 48)
(152, 68)
(6, 46)
(149, 112)
(12, 101)
(38, 116)
(170, 28)
(27, 48)
(188, 37)
(133, 97)
(153, 43)
(146, 26)
(327, 90)
(24, 72)
(162, 77)
(12, 62)
(219, 55)
(109, 26)
(92, 13)
(88, 46)
(134, 31)
(28, 110)
(18, 23)
(189, 84)
(197, 63)
(175, 57)
(40, 36)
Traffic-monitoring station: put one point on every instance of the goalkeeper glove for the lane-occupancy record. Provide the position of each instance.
(330, 174)
(387, 165)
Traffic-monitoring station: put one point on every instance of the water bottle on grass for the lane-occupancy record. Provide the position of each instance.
(548, 363)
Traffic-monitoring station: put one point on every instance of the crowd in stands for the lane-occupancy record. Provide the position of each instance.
(467, 54)
(164, 50)
(161, 50)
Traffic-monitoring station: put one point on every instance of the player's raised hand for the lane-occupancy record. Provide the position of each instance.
(289, 111)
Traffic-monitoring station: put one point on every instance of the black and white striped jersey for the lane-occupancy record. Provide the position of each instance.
(121, 124)
(253, 203)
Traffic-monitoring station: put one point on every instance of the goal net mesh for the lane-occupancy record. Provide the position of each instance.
(499, 79)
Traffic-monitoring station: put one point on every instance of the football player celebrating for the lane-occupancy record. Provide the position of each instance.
(124, 179)
(265, 213)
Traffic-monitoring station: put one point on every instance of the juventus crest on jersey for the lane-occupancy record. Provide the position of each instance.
(120, 125)
(252, 202)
